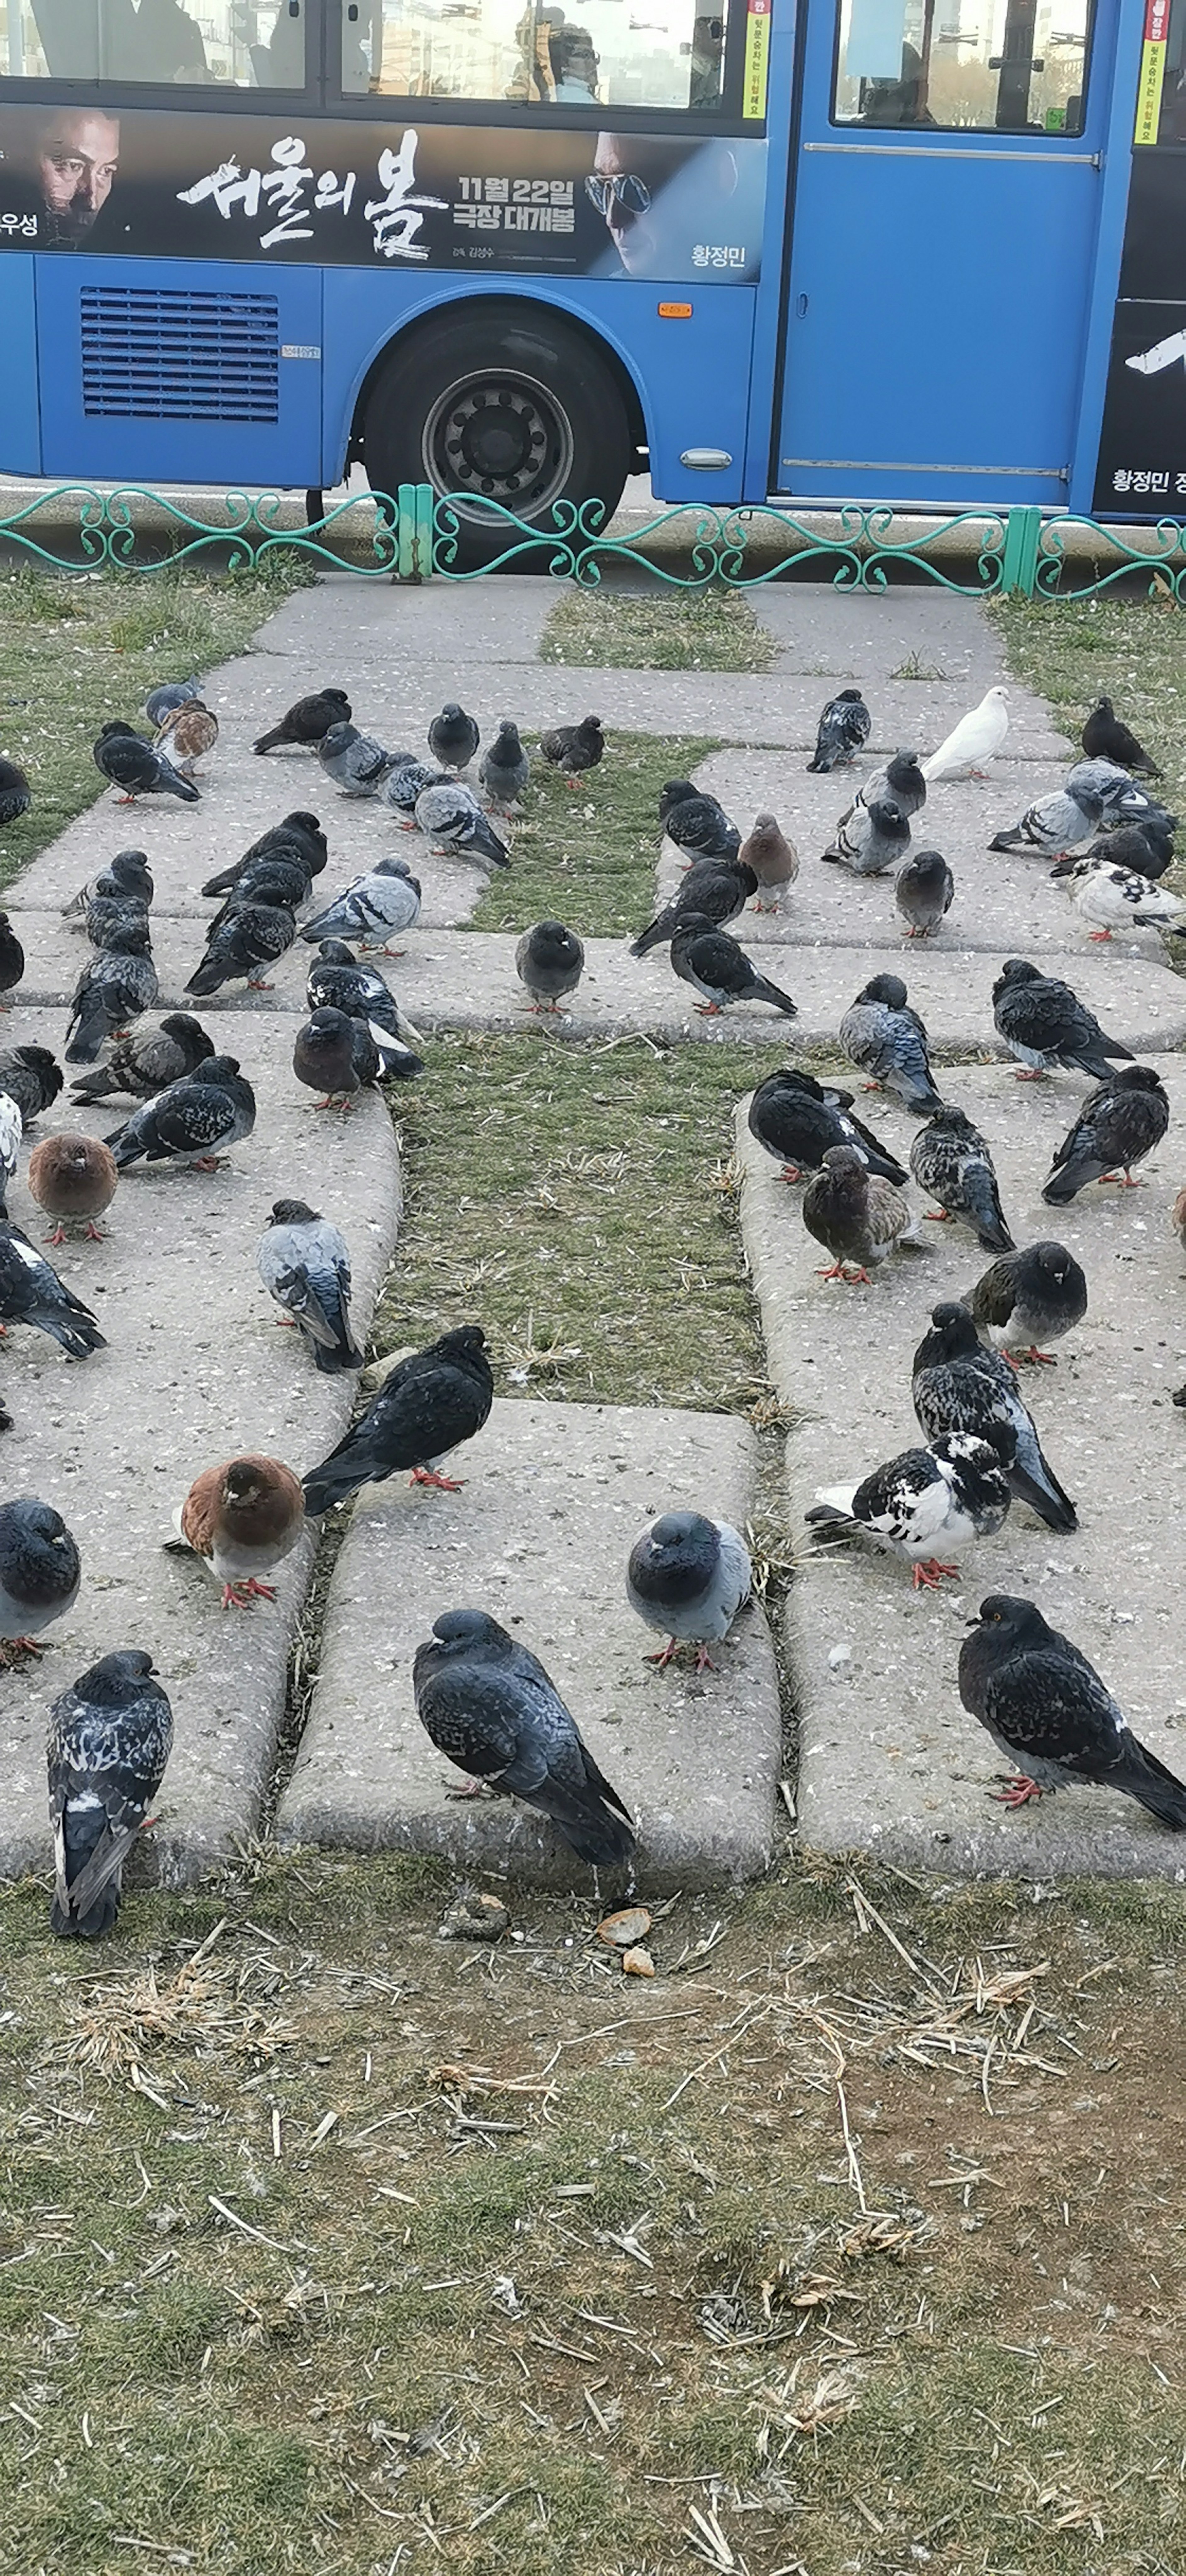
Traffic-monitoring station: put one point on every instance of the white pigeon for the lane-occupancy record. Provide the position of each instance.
(1117, 899)
(11, 1129)
(968, 748)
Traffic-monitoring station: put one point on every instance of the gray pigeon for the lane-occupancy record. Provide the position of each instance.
(887, 1042)
(574, 748)
(129, 870)
(715, 965)
(32, 1078)
(336, 983)
(355, 761)
(407, 779)
(923, 891)
(1044, 1024)
(959, 1386)
(504, 768)
(111, 913)
(251, 936)
(305, 1266)
(714, 889)
(371, 908)
(147, 1060)
(950, 1160)
(40, 1572)
(192, 1122)
(133, 764)
(549, 961)
(488, 1705)
(873, 839)
(901, 782)
(453, 820)
(110, 1736)
(171, 694)
(927, 1505)
(688, 1577)
(1027, 1298)
(32, 1293)
(1056, 824)
(859, 1218)
(116, 986)
(337, 1055)
(1121, 1122)
(798, 1120)
(1052, 1717)
(843, 730)
(453, 737)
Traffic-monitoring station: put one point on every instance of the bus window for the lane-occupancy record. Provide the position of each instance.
(592, 53)
(1000, 66)
(1171, 127)
(214, 44)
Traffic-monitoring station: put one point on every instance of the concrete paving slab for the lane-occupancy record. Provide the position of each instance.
(890, 1762)
(196, 1369)
(859, 637)
(555, 1495)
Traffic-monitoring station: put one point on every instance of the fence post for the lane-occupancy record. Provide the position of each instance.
(425, 530)
(1019, 570)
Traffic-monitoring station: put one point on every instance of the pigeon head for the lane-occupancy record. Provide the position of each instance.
(334, 952)
(466, 1343)
(116, 726)
(243, 1484)
(848, 697)
(1054, 1261)
(955, 1329)
(339, 737)
(41, 1061)
(394, 868)
(36, 1520)
(300, 821)
(676, 792)
(1013, 1622)
(903, 770)
(674, 1558)
(108, 1681)
(457, 1631)
(885, 988)
(767, 823)
(887, 814)
(557, 940)
(182, 1027)
(337, 697)
(130, 870)
(846, 1164)
(1102, 707)
(293, 1212)
(327, 1029)
(508, 734)
(949, 1122)
(589, 725)
(1136, 1077)
(219, 1069)
(789, 1078)
(1018, 970)
(451, 708)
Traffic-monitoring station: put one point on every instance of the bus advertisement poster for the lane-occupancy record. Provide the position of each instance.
(1142, 458)
(564, 202)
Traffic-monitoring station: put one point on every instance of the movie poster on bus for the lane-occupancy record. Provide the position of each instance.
(392, 196)
(1141, 471)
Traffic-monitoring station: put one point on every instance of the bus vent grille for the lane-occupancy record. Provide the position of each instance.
(149, 353)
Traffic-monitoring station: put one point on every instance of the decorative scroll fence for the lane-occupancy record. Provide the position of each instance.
(413, 535)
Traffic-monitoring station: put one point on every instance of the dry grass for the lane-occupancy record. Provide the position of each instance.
(658, 629)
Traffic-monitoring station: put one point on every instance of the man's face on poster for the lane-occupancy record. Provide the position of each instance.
(77, 159)
(623, 187)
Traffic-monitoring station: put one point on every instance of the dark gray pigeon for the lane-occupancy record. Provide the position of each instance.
(504, 768)
(688, 1577)
(798, 1119)
(574, 748)
(1045, 1025)
(336, 1055)
(32, 1076)
(549, 962)
(1144, 849)
(251, 936)
(192, 1122)
(696, 823)
(130, 873)
(1122, 1122)
(875, 837)
(713, 964)
(887, 1042)
(900, 783)
(927, 1505)
(959, 1386)
(131, 763)
(308, 722)
(950, 1160)
(299, 832)
(859, 1218)
(1052, 1717)
(110, 1737)
(453, 737)
(452, 819)
(305, 1266)
(924, 889)
(336, 981)
(12, 958)
(150, 1057)
(171, 694)
(279, 879)
(40, 1572)
(488, 1705)
(716, 890)
(843, 730)
(32, 1293)
(15, 793)
(355, 761)
(371, 909)
(115, 987)
(430, 1403)
(1027, 1298)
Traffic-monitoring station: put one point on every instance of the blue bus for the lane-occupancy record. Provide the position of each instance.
(922, 252)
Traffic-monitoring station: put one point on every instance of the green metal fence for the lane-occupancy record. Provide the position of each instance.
(415, 535)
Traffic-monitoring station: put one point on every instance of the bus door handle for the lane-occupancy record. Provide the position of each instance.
(800, 305)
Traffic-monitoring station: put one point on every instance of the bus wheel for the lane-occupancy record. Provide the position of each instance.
(500, 404)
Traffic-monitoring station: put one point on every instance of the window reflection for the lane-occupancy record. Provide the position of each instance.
(594, 53)
(206, 45)
(1005, 66)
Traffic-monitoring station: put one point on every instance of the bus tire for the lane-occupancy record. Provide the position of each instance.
(501, 401)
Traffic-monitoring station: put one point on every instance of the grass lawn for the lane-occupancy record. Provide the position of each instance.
(591, 849)
(1132, 651)
(658, 630)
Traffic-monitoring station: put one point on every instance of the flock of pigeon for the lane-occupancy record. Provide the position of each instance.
(484, 1699)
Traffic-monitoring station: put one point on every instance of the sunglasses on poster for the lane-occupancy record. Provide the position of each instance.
(624, 190)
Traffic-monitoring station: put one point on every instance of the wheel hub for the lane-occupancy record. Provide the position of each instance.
(499, 436)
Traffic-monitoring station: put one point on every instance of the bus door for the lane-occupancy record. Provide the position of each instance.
(945, 217)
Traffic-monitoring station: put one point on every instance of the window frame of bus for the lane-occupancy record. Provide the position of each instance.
(1006, 133)
(322, 94)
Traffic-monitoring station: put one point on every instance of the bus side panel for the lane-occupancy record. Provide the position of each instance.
(20, 436)
(180, 371)
(692, 376)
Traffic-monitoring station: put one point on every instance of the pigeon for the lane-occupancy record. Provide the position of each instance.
(243, 1519)
(131, 763)
(128, 871)
(12, 958)
(190, 732)
(1146, 849)
(1027, 1298)
(928, 1505)
(923, 890)
(192, 1121)
(1106, 737)
(574, 748)
(1116, 1127)
(844, 729)
(253, 935)
(797, 1120)
(308, 722)
(713, 964)
(505, 768)
(453, 737)
(488, 1705)
(698, 826)
(960, 1386)
(32, 1077)
(452, 819)
(877, 836)
(110, 1737)
(549, 962)
(900, 783)
(336, 983)
(305, 1267)
(115, 987)
(335, 1055)
(1052, 1717)
(355, 761)
(1109, 780)
(110, 915)
(40, 1572)
(1116, 899)
(858, 1217)
(950, 1160)
(72, 1178)
(886, 1040)
(966, 751)
(149, 1058)
(32, 1293)
(172, 693)
(773, 859)
(1056, 824)
(405, 781)
(429, 1404)
(15, 793)
(688, 1577)
(298, 831)
(279, 879)
(373, 906)
(1044, 1024)
(12, 1128)
(713, 890)
(1133, 804)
